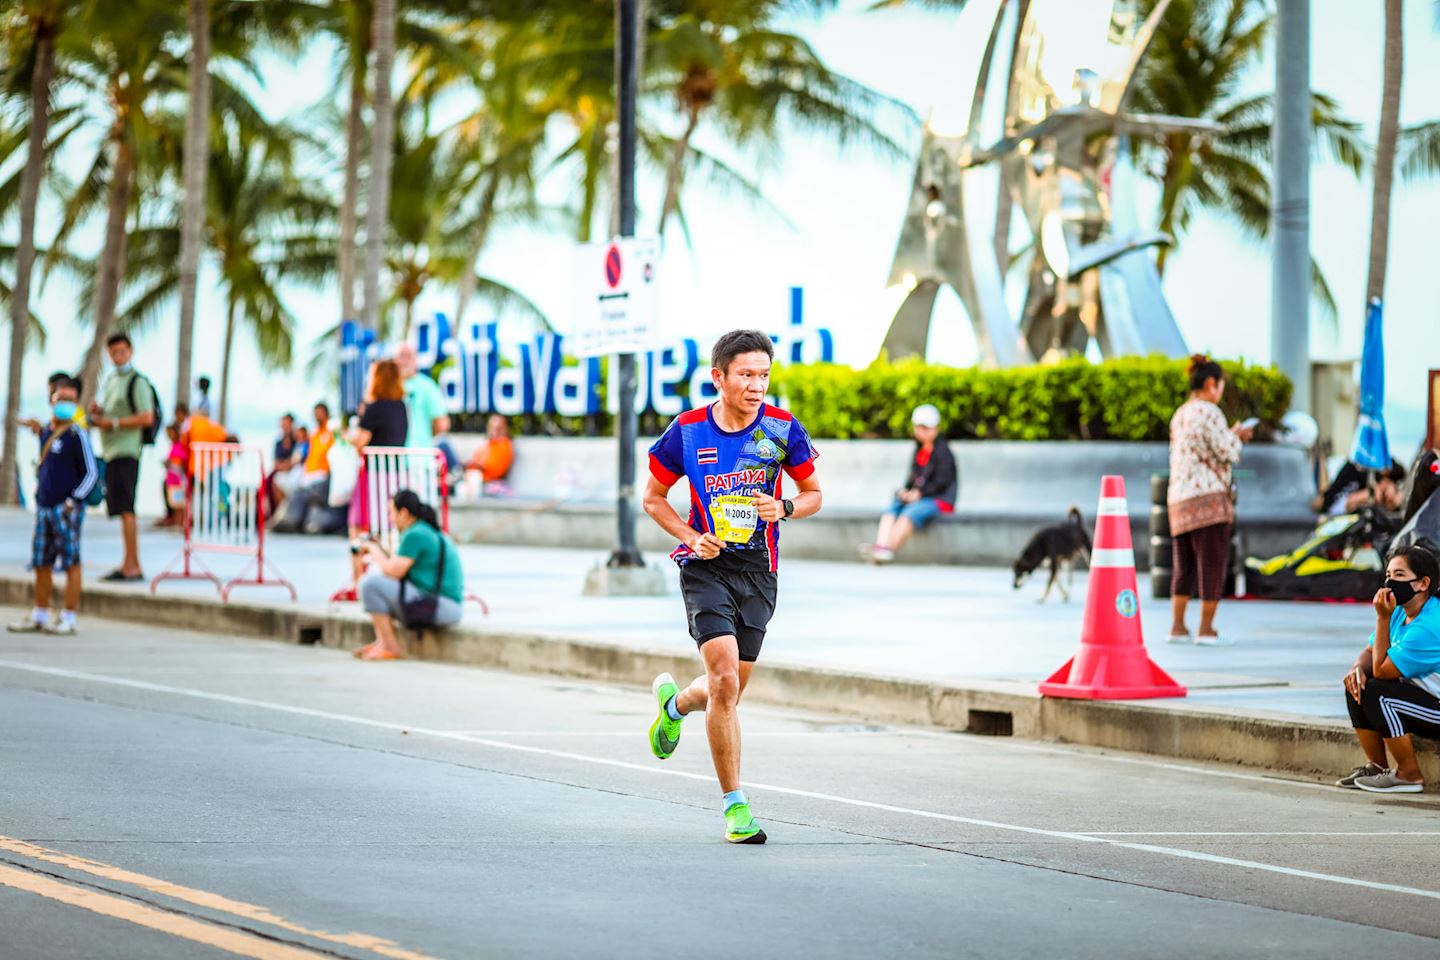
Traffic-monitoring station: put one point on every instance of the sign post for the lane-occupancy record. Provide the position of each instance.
(625, 572)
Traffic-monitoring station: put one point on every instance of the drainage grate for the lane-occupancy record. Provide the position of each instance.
(310, 634)
(991, 723)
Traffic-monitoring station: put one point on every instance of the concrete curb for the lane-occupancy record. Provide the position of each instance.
(1163, 728)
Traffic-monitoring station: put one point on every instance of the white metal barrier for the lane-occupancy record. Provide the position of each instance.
(225, 513)
(388, 470)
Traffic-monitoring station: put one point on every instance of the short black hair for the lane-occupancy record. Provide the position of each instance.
(736, 342)
(204, 383)
(182, 410)
(56, 377)
(288, 416)
(115, 338)
(322, 405)
(1422, 563)
(1202, 368)
(64, 381)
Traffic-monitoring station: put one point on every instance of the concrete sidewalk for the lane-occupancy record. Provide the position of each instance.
(944, 625)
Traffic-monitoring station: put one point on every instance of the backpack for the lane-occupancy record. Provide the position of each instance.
(147, 434)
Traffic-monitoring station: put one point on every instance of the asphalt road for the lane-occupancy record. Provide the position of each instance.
(168, 794)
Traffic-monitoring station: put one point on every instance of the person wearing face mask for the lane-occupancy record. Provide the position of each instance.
(125, 410)
(1393, 688)
(65, 474)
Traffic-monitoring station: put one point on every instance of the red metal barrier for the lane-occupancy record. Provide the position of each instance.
(225, 513)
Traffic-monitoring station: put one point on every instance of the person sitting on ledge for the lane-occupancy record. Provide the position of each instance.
(1394, 686)
(931, 485)
(424, 572)
(494, 455)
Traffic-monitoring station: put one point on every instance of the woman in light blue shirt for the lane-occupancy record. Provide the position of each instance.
(1393, 689)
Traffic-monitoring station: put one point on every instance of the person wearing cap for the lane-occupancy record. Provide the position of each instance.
(930, 489)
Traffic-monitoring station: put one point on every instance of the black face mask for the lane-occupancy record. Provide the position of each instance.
(1404, 590)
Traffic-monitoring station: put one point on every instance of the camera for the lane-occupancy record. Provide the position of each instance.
(358, 544)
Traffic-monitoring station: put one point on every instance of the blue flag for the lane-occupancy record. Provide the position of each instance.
(1372, 447)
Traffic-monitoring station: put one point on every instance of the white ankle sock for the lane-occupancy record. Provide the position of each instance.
(40, 615)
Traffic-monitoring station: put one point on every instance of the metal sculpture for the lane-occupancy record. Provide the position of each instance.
(1065, 159)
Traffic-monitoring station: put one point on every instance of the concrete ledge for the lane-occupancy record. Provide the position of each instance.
(1171, 728)
(968, 537)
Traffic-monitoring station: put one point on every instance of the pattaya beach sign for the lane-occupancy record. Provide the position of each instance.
(478, 372)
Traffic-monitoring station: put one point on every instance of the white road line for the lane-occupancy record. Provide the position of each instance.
(670, 772)
(1262, 833)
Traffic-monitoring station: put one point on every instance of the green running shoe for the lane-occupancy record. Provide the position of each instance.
(740, 827)
(664, 732)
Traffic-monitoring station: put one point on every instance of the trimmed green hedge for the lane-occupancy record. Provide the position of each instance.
(1128, 398)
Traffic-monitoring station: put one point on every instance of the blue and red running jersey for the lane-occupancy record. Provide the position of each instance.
(726, 469)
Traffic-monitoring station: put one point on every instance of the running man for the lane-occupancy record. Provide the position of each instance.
(732, 452)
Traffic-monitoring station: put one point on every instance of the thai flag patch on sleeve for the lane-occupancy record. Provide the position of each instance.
(706, 455)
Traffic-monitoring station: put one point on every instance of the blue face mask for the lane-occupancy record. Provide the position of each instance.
(124, 368)
(64, 410)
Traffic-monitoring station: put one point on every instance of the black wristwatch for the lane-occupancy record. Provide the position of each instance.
(789, 509)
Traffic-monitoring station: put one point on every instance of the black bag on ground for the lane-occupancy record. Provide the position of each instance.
(419, 609)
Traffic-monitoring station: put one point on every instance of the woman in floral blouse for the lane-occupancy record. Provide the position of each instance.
(1202, 511)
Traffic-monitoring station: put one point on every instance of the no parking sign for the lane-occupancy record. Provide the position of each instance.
(615, 306)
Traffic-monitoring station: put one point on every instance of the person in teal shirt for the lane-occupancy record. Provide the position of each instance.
(424, 401)
(426, 561)
(1393, 688)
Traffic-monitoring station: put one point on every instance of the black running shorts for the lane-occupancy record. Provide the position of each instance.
(732, 595)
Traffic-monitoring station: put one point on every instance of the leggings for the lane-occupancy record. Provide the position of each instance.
(1395, 708)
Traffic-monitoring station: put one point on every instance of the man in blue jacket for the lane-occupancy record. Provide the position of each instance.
(65, 475)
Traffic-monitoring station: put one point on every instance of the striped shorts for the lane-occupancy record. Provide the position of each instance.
(57, 538)
(1395, 708)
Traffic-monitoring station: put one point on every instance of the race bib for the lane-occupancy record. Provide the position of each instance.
(735, 518)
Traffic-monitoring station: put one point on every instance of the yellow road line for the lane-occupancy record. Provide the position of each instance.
(210, 901)
(221, 938)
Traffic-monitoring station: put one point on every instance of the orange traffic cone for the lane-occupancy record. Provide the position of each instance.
(1112, 663)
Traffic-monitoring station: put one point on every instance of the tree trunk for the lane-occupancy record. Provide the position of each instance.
(1004, 203)
(381, 147)
(112, 257)
(354, 136)
(1385, 151)
(409, 317)
(25, 252)
(482, 230)
(225, 359)
(675, 170)
(1178, 171)
(197, 162)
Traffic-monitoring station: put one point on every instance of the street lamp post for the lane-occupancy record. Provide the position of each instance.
(626, 88)
(1290, 210)
(625, 573)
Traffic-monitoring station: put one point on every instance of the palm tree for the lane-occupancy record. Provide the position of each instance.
(119, 55)
(263, 226)
(43, 19)
(195, 166)
(1197, 62)
(442, 201)
(729, 64)
(381, 146)
(1385, 145)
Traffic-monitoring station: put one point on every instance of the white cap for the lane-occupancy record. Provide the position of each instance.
(926, 415)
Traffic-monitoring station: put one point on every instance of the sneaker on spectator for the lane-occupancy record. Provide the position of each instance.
(59, 628)
(27, 625)
(882, 554)
(1369, 770)
(1387, 782)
